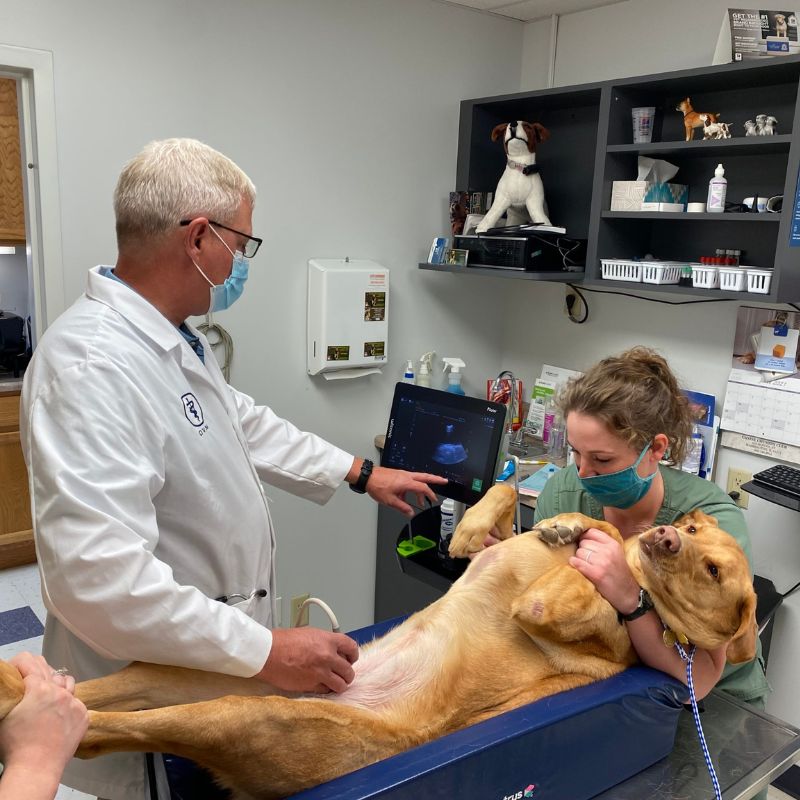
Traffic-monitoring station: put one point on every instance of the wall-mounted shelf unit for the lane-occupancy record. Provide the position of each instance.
(557, 277)
(591, 146)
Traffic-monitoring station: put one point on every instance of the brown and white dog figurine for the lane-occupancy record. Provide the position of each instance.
(520, 186)
(692, 119)
(520, 624)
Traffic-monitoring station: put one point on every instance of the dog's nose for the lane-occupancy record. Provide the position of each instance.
(666, 537)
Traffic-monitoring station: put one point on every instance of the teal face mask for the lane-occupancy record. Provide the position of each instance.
(619, 489)
(224, 295)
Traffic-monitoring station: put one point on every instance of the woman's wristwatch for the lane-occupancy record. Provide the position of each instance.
(645, 605)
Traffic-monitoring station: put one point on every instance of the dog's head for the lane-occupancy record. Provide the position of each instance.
(780, 19)
(685, 105)
(520, 136)
(700, 582)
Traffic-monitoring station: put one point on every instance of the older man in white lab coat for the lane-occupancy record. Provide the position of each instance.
(146, 467)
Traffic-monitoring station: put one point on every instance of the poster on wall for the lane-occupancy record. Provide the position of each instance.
(758, 33)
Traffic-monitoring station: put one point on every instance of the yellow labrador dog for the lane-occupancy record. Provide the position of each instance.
(518, 603)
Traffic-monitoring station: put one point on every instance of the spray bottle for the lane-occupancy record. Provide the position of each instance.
(454, 378)
(408, 375)
(424, 374)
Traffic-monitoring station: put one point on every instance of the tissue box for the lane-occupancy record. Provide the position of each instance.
(629, 195)
(671, 193)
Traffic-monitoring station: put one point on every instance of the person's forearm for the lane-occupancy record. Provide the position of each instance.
(647, 638)
(39, 782)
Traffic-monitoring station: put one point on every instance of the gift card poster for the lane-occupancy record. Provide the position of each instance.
(777, 348)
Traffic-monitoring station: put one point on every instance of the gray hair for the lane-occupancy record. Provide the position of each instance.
(176, 179)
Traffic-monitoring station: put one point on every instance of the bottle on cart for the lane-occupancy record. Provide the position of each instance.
(455, 365)
(446, 530)
(717, 190)
(408, 375)
(424, 374)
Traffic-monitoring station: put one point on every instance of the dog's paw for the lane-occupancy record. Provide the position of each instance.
(560, 530)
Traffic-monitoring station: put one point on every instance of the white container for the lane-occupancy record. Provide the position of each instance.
(447, 526)
(614, 269)
(732, 279)
(758, 280)
(705, 277)
(717, 190)
(661, 272)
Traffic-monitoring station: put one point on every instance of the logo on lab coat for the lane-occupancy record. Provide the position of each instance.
(192, 409)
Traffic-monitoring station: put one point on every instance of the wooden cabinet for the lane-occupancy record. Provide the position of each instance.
(16, 530)
(12, 206)
(591, 146)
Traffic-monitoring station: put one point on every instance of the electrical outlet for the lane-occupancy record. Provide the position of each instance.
(736, 477)
(296, 603)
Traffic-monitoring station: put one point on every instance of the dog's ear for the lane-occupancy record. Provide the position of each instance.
(499, 131)
(540, 133)
(696, 517)
(743, 645)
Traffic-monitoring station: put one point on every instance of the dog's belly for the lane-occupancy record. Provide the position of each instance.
(400, 664)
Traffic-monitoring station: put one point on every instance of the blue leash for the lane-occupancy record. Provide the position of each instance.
(688, 658)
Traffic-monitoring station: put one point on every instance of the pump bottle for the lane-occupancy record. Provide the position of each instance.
(717, 189)
(424, 374)
(454, 378)
(408, 375)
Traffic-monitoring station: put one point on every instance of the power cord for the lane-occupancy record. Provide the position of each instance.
(570, 301)
(324, 606)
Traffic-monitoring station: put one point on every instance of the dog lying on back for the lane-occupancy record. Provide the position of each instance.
(519, 603)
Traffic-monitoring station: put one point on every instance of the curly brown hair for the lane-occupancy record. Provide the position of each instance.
(637, 396)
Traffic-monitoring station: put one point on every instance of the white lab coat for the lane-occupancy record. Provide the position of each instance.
(144, 478)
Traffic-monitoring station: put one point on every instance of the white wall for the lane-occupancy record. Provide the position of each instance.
(345, 114)
(636, 38)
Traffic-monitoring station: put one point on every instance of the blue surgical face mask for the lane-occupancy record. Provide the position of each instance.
(619, 489)
(224, 295)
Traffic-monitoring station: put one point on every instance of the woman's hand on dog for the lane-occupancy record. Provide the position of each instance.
(389, 486)
(601, 559)
(310, 660)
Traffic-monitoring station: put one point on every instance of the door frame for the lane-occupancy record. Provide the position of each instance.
(34, 70)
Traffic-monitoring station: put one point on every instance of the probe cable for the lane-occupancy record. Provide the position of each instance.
(324, 606)
(223, 342)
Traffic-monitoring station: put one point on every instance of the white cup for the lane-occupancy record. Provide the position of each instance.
(761, 204)
(696, 208)
(643, 123)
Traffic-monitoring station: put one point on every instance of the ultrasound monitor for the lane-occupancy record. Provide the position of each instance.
(446, 434)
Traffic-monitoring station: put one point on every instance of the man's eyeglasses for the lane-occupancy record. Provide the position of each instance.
(251, 245)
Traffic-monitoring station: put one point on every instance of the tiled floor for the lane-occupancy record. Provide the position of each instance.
(22, 616)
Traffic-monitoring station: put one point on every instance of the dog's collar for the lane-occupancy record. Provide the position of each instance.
(525, 169)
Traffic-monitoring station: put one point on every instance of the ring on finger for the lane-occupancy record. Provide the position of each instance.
(589, 556)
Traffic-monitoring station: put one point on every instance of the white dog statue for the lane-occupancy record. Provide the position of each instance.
(520, 186)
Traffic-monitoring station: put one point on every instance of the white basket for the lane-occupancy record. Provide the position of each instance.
(732, 279)
(614, 269)
(705, 277)
(758, 280)
(661, 272)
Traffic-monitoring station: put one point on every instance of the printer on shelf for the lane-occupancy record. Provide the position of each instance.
(527, 250)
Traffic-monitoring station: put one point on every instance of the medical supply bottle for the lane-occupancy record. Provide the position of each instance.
(408, 375)
(424, 374)
(454, 378)
(694, 454)
(717, 189)
(446, 529)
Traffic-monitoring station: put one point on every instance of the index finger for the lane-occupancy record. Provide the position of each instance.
(595, 535)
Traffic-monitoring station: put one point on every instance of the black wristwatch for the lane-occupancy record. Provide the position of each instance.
(645, 605)
(360, 486)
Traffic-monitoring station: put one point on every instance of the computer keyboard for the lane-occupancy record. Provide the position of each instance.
(781, 478)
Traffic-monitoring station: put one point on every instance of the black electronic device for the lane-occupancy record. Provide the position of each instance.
(451, 435)
(780, 478)
(531, 252)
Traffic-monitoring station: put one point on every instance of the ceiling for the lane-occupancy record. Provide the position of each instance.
(531, 10)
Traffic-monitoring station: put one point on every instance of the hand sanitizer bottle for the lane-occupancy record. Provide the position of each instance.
(717, 189)
(408, 375)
